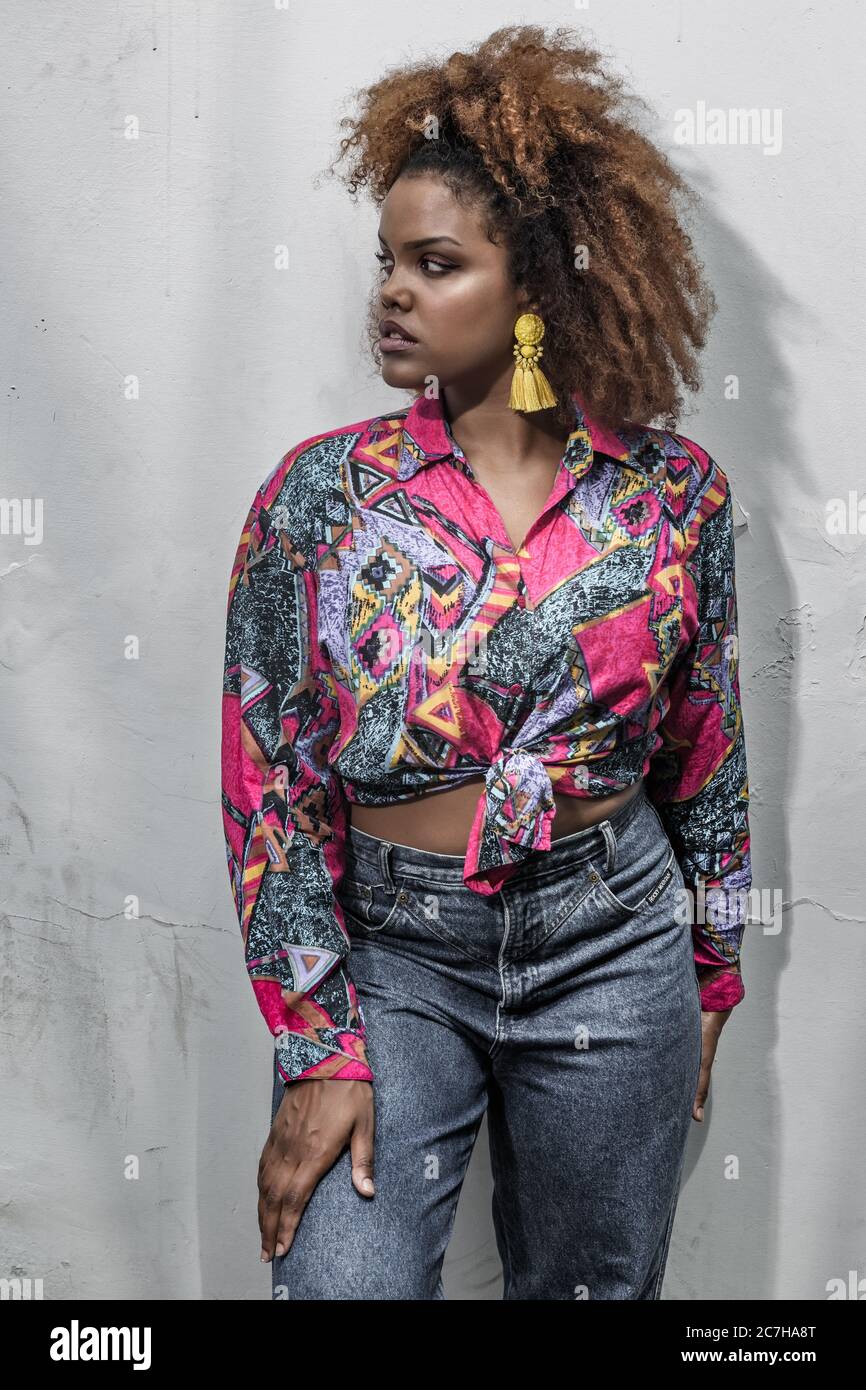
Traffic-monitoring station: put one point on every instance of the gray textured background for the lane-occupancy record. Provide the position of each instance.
(152, 260)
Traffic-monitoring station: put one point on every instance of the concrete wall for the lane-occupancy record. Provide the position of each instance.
(156, 365)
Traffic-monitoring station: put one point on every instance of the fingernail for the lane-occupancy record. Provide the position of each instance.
(367, 1184)
(281, 1250)
(264, 1256)
(700, 1112)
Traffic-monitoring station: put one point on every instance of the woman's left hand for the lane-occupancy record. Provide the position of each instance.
(711, 1026)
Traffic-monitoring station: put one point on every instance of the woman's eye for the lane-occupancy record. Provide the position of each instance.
(443, 266)
(440, 267)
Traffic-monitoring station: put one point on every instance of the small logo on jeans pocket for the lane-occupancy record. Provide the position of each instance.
(660, 886)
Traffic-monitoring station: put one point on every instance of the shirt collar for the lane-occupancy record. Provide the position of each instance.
(426, 437)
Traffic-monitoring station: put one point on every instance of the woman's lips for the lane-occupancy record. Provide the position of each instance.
(389, 344)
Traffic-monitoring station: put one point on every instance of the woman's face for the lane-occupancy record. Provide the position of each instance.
(446, 285)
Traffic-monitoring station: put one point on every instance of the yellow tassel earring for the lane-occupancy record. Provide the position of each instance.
(530, 389)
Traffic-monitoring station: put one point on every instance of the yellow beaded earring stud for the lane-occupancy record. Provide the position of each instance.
(530, 389)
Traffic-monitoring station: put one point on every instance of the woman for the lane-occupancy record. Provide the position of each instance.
(481, 715)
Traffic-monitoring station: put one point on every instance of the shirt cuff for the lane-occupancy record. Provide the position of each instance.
(720, 989)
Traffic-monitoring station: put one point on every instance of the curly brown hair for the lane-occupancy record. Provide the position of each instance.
(531, 128)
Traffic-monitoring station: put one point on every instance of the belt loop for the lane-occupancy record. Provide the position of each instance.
(610, 845)
(385, 865)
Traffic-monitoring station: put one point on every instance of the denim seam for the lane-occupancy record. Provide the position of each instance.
(667, 1238)
(568, 911)
(446, 939)
(498, 1042)
(508, 1272)
(675, 1201)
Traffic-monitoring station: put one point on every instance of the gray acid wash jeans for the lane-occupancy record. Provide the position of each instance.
(566, 1006)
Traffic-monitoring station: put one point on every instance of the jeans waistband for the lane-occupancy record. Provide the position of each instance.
(568, 850)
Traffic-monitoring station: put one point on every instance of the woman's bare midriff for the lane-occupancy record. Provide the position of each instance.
(441, 821)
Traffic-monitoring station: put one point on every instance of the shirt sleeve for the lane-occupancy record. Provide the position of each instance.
(284, 811)
(698, 778)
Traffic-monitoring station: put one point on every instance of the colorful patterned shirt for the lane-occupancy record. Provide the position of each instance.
(385, 639)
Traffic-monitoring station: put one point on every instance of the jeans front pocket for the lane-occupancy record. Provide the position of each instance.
(660, 880)
(636, 867)
(368, 906)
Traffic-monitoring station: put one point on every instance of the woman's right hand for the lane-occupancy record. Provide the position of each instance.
(315, 1121)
